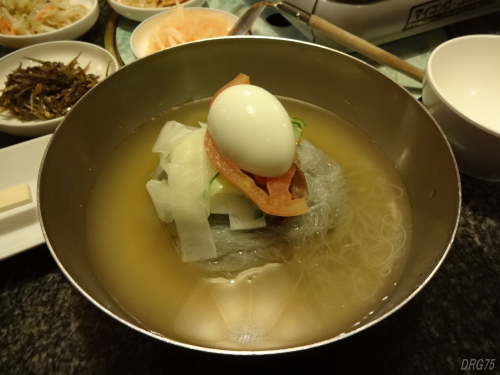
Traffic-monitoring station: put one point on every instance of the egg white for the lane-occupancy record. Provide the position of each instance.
(251, 128)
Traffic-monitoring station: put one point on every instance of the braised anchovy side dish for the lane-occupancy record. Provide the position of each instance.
(45, 91)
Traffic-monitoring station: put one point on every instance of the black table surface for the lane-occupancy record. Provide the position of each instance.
(48, 327)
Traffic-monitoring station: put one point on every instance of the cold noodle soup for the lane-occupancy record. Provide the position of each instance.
(284, 297)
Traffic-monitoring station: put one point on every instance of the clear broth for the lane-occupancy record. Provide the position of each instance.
(261, 309)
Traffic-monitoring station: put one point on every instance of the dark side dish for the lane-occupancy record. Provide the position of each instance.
(45, 91)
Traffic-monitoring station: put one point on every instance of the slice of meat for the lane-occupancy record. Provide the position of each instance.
(241, 79)
(298, 186)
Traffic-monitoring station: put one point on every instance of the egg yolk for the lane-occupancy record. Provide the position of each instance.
(250, 127)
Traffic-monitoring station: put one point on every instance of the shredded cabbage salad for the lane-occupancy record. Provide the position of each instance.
(29, 17)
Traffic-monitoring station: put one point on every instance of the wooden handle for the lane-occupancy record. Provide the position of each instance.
(365, 48)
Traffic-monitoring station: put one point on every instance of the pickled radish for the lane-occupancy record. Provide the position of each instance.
(182, 197)
(182, 25)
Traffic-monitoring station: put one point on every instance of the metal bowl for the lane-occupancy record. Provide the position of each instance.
(337, 82)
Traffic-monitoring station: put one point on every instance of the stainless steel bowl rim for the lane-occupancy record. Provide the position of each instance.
(244, 352)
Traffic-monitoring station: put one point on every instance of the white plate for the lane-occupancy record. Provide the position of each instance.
(19, 164)
(63, 51)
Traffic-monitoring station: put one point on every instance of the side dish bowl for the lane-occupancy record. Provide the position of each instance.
(100, 62)
(336, 82)
(141, 37)
(69, 32)
(140, 14)
(462, 92)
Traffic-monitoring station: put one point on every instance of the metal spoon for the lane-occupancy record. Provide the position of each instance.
(335, 33)
(242, 27)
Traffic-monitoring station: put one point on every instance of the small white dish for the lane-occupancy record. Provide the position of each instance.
(461, 90)
(19, 227)
(101, 62)
(68, 32)
(140, 14)
(140, 39)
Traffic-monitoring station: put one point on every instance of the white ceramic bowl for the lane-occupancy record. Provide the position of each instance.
(140, 14)
(139, 41)
(462, 91)
(101, 61)
(68, 32)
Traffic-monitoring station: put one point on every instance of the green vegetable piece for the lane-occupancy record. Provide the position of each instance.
(213, 179)
(298, 125)
(220, 185)
(258, 214)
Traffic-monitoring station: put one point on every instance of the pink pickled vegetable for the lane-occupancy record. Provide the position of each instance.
(183, 25)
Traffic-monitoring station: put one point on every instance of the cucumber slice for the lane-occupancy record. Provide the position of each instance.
(220, 185)
(298, 125)
(242, 214)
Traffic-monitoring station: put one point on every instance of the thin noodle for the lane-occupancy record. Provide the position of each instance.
(351, 227)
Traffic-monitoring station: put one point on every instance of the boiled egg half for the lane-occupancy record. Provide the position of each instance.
(250, 127)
